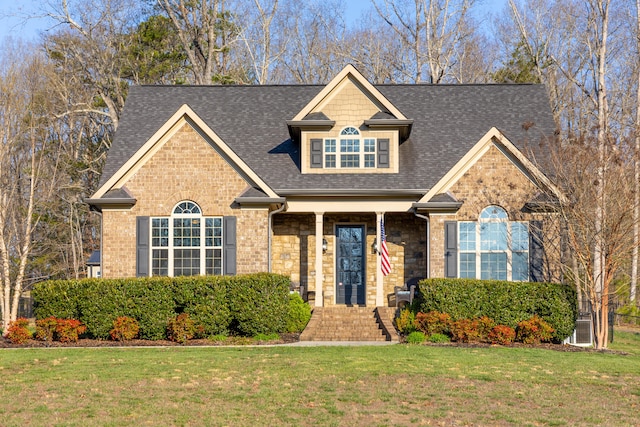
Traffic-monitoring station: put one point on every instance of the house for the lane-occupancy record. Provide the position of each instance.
(300, 180)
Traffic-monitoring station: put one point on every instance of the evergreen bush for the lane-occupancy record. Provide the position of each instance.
(506, 303)
(298, 315)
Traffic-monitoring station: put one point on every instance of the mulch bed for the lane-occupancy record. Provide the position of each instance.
(91, 343)
(284, 339)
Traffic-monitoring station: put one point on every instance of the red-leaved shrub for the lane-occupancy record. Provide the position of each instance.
(124, 329)
(534, 331)
(433, 322)
(502, 334)
(465, 330)
(68, 330)
(181, 328)
(17, 332)
(46, 329)
(485, 325)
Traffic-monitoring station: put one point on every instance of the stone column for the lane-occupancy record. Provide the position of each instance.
(319, 273)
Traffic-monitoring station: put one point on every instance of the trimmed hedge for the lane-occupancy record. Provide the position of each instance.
(507, 303)
(219, 305)
(259, 303)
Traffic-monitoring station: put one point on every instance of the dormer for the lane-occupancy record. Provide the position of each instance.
(349, 127)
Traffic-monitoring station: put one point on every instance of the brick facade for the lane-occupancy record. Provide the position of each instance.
(493, 180)
(187, 167)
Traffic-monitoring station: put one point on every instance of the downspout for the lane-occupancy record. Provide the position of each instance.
(271, 214)
(99, 213)
(426, 218)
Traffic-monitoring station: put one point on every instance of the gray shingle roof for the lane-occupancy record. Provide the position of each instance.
(448, 121)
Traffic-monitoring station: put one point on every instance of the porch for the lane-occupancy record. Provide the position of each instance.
(334, 257)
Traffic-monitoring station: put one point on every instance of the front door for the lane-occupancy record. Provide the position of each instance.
(350, 268)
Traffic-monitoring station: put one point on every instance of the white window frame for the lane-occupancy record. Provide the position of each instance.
(167, 241)
(334, 147)
(478, 251)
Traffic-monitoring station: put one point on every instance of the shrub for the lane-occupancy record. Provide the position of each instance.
(465, 330)
(485, 326)
(205, 299)
(433, 322)
(534, 331)
(219, 305)
(18, 331)
(181, 328)
(298, 315)
(416, 337)
(507, 303)
(502, 334)
(46, 329)
(69, 330)
(124, 329)
(259, 303)
(439, 338)
(405, 322)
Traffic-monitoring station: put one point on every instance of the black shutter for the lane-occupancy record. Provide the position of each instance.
(450, 249)
(316, 153)
(536, 252)
(142, 246)
(383, 153)
(229, 245)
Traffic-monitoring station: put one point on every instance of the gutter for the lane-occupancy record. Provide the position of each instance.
(110, 202)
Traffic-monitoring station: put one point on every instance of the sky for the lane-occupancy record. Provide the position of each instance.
(12, 13)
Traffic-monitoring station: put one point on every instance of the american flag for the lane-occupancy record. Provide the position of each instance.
(384, 252)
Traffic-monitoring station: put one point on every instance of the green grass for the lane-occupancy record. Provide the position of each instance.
(326, 386)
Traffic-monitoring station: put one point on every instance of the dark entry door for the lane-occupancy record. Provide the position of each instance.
(350, 268)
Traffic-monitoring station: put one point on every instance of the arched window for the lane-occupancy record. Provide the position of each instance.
(494, 247)
(352, 151)
(186, 243)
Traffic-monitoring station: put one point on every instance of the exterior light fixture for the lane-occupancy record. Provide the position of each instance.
(325, 245)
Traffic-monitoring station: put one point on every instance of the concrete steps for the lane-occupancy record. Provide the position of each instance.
(342, 323)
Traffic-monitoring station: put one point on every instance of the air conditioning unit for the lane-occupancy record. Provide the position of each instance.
(583, 333)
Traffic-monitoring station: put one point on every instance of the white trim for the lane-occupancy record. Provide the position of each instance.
(492, 138)
(379, 275)
(184, 115)
(348, 71)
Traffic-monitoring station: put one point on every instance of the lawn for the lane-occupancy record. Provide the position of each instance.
(320, 386)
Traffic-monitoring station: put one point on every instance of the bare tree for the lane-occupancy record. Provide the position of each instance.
(432, 32)
(91, 45)
(265, 34)
(207, 31)
(316, 52)
(636, 195)
(25, 175)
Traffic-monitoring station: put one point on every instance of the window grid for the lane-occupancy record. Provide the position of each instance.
(351, 152)
(195, 246)
(493, 247)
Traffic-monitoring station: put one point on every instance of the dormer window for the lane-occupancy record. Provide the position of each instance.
(350, 151)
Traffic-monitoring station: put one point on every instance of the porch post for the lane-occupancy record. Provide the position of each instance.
(319, 276)
(379, 276)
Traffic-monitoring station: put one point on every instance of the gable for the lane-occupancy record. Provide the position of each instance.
(185, 116)
(349, 104)
(507, 162)
(347, 78)
(185, 167)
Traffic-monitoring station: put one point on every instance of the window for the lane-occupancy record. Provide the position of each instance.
(350, 151)
(494, 247)
(186, 243)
